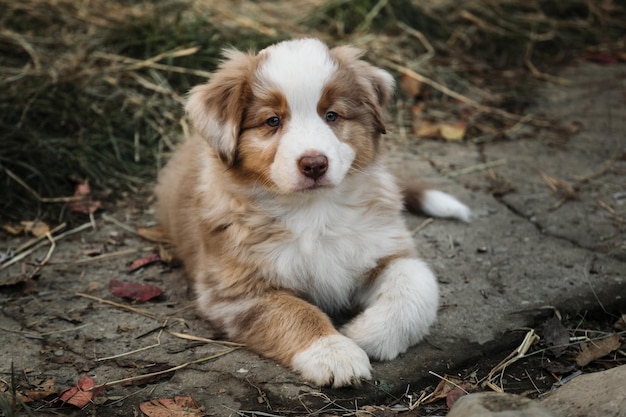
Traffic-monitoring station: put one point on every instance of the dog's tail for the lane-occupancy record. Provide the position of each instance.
(420, 199)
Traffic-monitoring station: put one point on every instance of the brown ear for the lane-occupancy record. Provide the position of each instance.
(378, 84)
(216, 108)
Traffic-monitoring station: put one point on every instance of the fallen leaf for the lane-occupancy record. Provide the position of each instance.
(454, 395)
(447, 384)
(453, 132)
(178, 407)
(596, 349)
(555, 335)
(134, 291)
(154, 234)
(40, 391)
(81, 394)
(426, 129)
(410, 86)
(36, 228)
(145, 261)
(13, 229)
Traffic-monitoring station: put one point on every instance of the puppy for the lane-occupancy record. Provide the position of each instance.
(283, 214)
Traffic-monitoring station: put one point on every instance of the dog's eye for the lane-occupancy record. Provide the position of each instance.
(273, 121)
(331, 116)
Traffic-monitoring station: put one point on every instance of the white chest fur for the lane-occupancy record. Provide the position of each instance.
(336, 237)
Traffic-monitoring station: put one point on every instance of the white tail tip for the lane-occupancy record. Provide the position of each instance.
(439, 204)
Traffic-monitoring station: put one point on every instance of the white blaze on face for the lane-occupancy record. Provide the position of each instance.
(300, 70)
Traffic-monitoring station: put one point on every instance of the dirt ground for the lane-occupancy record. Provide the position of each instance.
(548, 235)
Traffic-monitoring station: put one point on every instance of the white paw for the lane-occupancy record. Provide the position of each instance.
(439, 204)
(399, 310)
(333, 360)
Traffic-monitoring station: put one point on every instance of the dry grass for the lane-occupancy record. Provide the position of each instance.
(93, 91)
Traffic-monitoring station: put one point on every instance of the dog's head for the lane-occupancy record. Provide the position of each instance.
(297, 116)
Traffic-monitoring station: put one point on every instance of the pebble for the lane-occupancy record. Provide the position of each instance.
(496, 404)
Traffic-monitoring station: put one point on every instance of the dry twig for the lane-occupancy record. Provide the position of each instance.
(538, 74)
(530, 339)
(204, 339)
(164, 371)
(139, 311)
(460, 97)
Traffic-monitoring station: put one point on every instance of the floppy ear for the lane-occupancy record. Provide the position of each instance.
(216, 108)
(377, 83)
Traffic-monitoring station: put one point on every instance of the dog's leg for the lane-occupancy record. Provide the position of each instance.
(286, 328)
(399, 307)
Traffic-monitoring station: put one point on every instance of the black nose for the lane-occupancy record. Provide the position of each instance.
(313, 166)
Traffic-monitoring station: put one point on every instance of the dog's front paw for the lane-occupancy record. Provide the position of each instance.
(400, 307)
(333, 360)
(376, 333)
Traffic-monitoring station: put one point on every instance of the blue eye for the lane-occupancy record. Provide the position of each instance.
(331, 116)
(273, 121)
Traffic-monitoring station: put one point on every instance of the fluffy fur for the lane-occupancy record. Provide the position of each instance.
(284, 215)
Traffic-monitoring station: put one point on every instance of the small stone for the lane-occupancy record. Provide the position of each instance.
(495, 404)
(59, 353)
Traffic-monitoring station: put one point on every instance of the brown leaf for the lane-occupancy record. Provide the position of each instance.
(145, 261)
(154, 234)
(453, 132)
(40, 391)
(178, 407)
(36, 228)
(598, 348)
(13, 229)
(426, 129)
(453, 396)
(447, 384)
(81, 394)
(555, 335)
(410, 86)
(134, 291)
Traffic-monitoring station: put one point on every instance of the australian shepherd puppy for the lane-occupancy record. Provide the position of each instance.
(283, 214)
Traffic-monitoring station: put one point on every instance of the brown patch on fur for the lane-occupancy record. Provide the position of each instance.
(281, 325)
(353, 93)
(258, 141)
(413, 194)
(216, 108)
